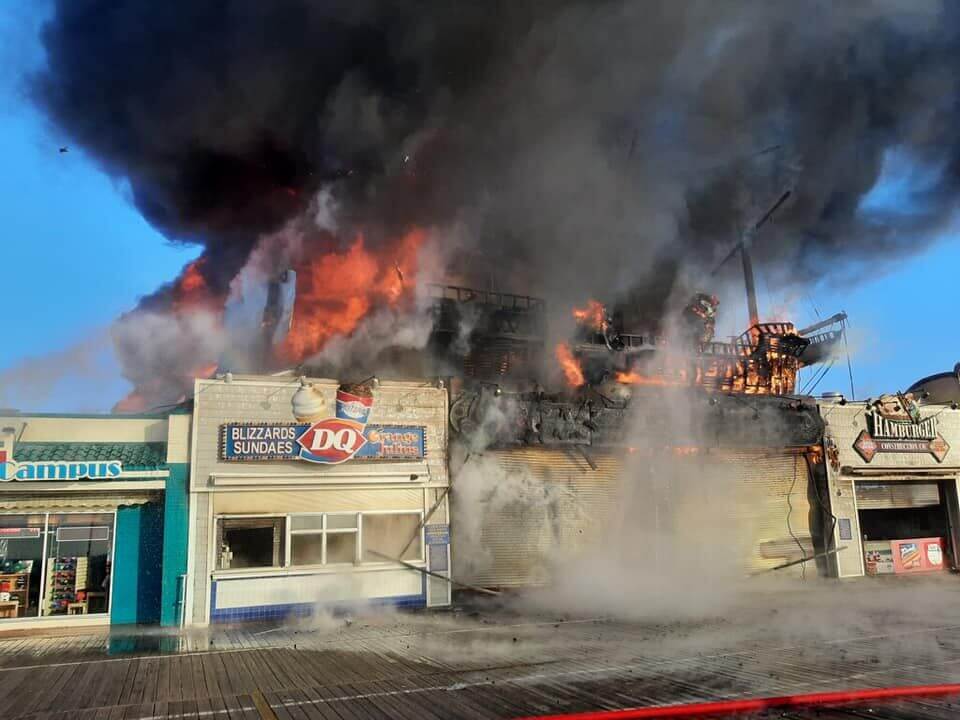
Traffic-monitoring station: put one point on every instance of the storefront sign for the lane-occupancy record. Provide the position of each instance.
(437, 534)
(917, 555)
(12, 470)
(894, 426)
(883, 557)
(19, 533)
(331, 441)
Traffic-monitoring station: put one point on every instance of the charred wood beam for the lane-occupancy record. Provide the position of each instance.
(484, 419)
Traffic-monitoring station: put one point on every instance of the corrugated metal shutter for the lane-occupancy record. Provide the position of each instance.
(289, 501)
(891, 495)
(770, 524)
(773, 507)
(518, 537)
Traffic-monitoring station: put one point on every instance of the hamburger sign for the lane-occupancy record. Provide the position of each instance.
(320, 438)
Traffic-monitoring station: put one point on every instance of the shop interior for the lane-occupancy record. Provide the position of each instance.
(54, 564)
(907, 515)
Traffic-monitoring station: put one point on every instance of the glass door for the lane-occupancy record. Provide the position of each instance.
(77, 572)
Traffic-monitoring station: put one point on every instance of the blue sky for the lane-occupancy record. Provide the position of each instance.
(76, 254)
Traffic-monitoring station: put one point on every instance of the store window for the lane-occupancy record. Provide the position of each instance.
(21, 564)
(55, 564)
(250, 542)
(323, 539)
(77, 576)
(319, 539)
(391, 535)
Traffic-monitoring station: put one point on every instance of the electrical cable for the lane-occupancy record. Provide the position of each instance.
(823, 505)
(817, 378)
(803, 550)
(846, 347)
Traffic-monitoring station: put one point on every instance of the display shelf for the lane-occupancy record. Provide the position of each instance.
(17, 587)
(66, 577)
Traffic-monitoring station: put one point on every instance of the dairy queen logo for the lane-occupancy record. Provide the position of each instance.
(331, 441)
(894, 425)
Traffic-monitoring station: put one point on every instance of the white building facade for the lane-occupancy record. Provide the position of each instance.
(892, 486)
(306, 494)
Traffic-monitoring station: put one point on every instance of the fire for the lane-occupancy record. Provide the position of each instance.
(634, 378)
(336, 291)
(191, 291)
(594, 315)
(138, 400)
(570, 366)
(132, 403)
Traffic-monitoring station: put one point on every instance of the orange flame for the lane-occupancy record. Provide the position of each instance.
(594, 314)
(634, 378)
(336, 291)
(191, 291)
(570, 366)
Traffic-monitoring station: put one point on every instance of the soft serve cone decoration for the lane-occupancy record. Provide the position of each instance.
(308, 403)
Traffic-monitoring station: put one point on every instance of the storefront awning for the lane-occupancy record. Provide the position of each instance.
(45, 502)
(133, 455)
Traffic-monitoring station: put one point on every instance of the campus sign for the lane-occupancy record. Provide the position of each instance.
(12, 470)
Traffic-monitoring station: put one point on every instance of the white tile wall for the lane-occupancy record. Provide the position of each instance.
(321, 588)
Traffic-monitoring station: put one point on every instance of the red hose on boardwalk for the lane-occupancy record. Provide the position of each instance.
(728, 707)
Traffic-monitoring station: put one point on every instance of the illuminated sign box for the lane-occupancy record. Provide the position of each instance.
(330, 442)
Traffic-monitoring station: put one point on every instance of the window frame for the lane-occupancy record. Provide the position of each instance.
(45, 617)
(323, 531)
(218, 540)
(287, 536)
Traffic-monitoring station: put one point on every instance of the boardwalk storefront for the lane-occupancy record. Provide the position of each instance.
(892, 470)
(736, 471)
(92, 519)
(309, 494)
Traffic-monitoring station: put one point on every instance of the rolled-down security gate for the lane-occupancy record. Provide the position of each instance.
(519, 510)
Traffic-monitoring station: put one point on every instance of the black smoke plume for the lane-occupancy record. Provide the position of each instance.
(582, 148)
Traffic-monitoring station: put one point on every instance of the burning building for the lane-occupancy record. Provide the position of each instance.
(366, 182)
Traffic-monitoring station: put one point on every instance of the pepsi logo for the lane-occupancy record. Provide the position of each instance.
(331, 441)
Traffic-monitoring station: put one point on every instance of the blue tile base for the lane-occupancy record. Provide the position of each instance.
(291, 610)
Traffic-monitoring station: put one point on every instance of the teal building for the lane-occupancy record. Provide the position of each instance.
(93, 519)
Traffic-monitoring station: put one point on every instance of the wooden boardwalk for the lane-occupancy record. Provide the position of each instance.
(484, 665)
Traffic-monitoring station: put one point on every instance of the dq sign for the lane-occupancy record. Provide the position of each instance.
(325, 440)
(330, 442)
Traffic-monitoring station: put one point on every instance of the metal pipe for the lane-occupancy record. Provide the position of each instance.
(839, 317)
(800, 561)
(419, 569)
(426, 519)
(751, 289)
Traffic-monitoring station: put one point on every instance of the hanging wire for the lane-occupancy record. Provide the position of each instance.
(846, 347)
(815, 380)
(803, 550)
